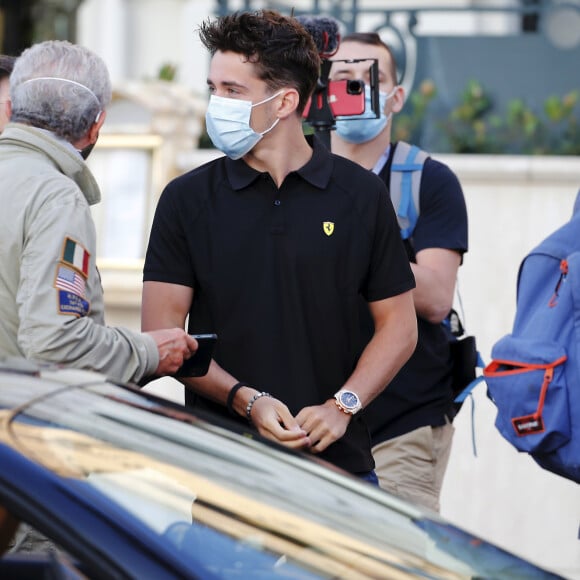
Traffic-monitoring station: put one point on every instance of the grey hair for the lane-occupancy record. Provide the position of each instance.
(71, 87)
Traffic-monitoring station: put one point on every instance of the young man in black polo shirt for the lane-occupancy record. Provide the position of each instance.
(271, 246)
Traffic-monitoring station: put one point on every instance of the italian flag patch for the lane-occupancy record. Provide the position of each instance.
(76, 255)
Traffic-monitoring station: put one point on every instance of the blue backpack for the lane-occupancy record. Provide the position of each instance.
(534, 376)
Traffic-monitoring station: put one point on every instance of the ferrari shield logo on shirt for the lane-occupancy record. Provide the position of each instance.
(328, 228)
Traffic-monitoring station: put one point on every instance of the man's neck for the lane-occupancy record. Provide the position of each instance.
(61, 140)
(282, 153)
(365, 154)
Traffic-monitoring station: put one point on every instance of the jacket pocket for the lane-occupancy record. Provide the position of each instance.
(527, 383)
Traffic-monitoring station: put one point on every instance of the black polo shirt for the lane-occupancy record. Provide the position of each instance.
(277, 272)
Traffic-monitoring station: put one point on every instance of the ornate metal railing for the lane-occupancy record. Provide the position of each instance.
(550, 17)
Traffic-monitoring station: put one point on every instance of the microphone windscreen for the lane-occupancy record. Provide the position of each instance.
(324, 30)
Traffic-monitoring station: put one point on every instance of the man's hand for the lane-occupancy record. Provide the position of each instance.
(174, 346)
(324, 424)
(274, 421)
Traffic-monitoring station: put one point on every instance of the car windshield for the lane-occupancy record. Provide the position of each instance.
(229, 504)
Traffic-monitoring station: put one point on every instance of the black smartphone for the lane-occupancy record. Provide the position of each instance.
(198, 364)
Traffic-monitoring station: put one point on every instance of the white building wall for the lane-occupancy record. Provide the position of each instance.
(102, 26)
(137, 37)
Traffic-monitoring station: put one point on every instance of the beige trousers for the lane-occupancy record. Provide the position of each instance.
(412, 465)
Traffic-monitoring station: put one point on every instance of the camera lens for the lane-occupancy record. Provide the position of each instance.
(354, 87)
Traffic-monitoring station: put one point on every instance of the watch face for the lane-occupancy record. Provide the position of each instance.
(349, 400)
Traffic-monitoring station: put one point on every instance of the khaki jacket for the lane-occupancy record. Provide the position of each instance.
(51, 298)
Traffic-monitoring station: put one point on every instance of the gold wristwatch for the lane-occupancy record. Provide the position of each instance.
(348, 401)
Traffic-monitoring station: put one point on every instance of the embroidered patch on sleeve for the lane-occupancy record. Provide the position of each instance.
(71, 280)
(70, 303)
(76, 255)
(71, 288)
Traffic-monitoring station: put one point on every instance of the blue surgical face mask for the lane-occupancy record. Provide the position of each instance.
(364, 127)
(228, 125)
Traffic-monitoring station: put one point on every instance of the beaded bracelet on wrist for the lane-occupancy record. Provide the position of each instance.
(252, 401)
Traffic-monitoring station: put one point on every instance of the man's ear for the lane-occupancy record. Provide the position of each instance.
(398, 99)
(289, 103)
(8, 108)
(96, 126)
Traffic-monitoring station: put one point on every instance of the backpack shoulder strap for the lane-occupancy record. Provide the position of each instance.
(404, 184)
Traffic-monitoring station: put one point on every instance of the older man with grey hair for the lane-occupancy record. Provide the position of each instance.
(51, 299)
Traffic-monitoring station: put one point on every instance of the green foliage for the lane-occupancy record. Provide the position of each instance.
(475, 126)
(407, 126)
(167, 72)
(466, 127)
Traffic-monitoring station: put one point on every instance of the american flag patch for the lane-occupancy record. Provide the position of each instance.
(68, 279)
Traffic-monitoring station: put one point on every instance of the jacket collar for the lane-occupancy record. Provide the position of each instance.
(62, 154)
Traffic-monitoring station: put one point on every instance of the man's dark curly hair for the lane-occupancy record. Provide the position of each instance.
(281, 48)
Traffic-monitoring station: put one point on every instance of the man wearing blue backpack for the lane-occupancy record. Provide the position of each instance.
(410, 421)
